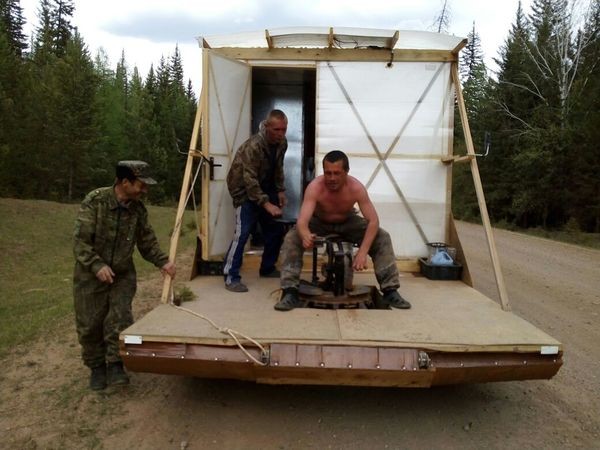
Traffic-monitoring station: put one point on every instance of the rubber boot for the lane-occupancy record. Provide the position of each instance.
(395, 300)
(289, 300)
(116, 374)
(98, 378)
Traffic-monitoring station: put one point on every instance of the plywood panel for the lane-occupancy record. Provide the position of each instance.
(446, 315)
(443, 313)
(250, 313)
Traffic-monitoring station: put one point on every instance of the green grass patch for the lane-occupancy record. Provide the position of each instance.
(580, 238)
(569, 234)
(36, 268)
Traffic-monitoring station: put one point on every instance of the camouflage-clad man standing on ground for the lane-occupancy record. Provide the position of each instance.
(110, 223)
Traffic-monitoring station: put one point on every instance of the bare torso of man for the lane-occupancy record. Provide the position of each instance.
(334, 206)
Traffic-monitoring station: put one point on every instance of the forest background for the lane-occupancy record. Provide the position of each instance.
(66, 116)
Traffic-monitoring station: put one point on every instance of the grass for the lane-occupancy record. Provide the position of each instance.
(37, 264)
(569, 235)
(591, 240)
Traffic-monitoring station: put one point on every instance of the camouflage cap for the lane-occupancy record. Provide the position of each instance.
(139, 169)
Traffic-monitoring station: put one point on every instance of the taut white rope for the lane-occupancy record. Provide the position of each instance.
(225, 330)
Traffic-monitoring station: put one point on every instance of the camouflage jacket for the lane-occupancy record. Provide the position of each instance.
(107, 232)
(251, 169)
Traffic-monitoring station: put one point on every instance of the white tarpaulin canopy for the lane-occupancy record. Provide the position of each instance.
(337, 37)
(395, 125)
(394, 121)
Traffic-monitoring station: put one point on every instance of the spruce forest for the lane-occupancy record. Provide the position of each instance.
(66, 116)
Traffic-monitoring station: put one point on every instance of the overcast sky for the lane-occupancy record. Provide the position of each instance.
(149, 29)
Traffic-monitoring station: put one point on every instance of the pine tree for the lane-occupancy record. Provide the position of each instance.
(75, 130)
(61, 16)
(122, 79)
(190, 94)
(442, 21)
(142, 129)
(55, 28)
(515, 101)
(43, 45)
(111, 117)
(12, 22)
(512, 109)
(584, 189)
(8, 90)
(12, 69)
(474, 75)
(475, 89)
(176, 72)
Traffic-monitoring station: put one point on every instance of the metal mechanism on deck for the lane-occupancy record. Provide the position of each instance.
(336, 290)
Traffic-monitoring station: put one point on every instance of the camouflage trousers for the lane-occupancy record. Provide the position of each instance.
(352, 230)
(102, 311)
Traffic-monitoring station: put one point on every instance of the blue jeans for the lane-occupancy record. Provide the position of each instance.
(246, 216)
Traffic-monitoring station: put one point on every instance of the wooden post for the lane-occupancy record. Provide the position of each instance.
(205, 174)
(394, 40)
(479, 191)
(269, 40)
(185, 187)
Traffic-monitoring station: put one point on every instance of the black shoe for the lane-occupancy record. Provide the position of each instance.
(395, 300)
(273, 274)
(236, 286)
(116, 375)
(289, 300)
(98, 378)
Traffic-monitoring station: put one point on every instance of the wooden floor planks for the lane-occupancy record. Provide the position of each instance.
(446, 315)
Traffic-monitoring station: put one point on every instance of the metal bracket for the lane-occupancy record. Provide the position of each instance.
(265, 356)
(212, 165)
(210, 161)
(424, 360)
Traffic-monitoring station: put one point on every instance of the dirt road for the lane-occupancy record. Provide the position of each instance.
(44, 401)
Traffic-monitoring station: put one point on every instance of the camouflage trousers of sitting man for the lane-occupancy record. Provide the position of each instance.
(352, 230)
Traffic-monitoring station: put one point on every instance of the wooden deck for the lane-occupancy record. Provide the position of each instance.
(453, 334)
(446, 316)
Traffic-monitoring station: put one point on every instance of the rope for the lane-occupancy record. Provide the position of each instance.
(194, 198)
(225, 330)
(230, 332)
(190, 193)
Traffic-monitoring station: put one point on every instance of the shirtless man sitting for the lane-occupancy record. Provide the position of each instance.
(328, 208)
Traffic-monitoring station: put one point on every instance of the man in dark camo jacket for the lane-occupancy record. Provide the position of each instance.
(110, 223)
(256, 185)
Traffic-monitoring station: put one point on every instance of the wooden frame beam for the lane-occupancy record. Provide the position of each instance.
(460, 46)
(394, 39)
(185, 188)
(336, 54)
(205, 175)
(457, 159)
(269, 40)
(330, 38)
(479, 191)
